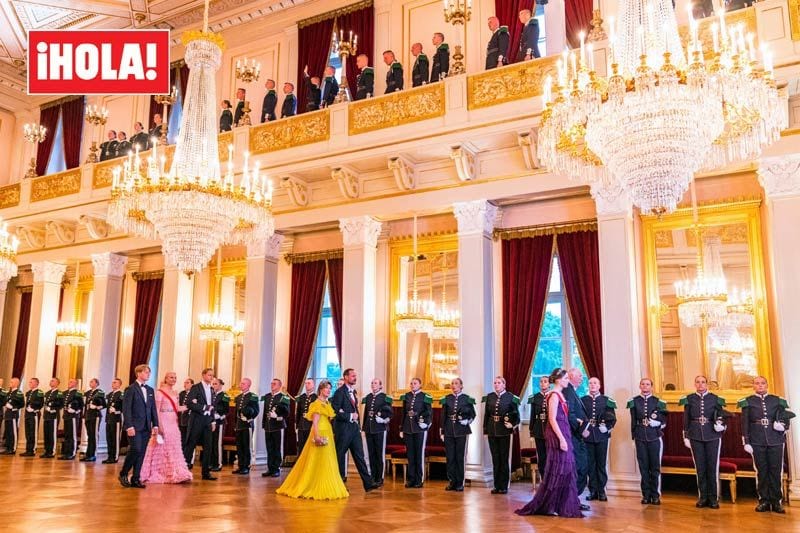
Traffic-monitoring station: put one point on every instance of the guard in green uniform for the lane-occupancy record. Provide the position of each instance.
(394, 76)
(222, 404)
(53, 403)
(276, 409)
(648, 420)
(15, 401)
(458, 412)
(497, 49)
(500, 417)
(441, 59)
(73, 407)
(95, 402)
(421, 70)
(114, 420)
(365, 83)
(602, 418)
(246, 411)
(417, 412)
(377, 415)
(34, 401)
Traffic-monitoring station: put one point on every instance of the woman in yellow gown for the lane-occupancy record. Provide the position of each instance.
(315, 474)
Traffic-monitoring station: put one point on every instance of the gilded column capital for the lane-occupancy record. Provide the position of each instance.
(268, 248)
(109, 265)
(48, 272)
(360, 231)
(780, 176)
(477, 217)
(611, 200)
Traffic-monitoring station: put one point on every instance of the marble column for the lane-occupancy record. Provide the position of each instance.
(476, 221)
(383, 41)
(619, 299)
(258, 357)
(360, 236)
(128, 316)
(3, 298)
(780, 177)
(47, 278)
(176, 323)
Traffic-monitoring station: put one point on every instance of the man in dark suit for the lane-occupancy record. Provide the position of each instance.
(200, 402)
(377, 414)
(529, 40)
(578, 422)
(421, 70)
(329, 87)
(394, 77)
(276, 410)
(313, 91)
(346, 431)
(289, 107)
(269, 103)
(240, 95)
(302, 424)
(114, 421)
(441, 58)
(140, 419)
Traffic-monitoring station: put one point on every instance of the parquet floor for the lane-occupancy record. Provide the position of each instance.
(49, 495)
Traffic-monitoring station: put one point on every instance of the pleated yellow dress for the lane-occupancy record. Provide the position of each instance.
(315, 474)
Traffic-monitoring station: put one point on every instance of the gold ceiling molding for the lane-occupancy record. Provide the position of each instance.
(397, 108)
(663, 239)
(308, 257)
(143, 276)
(307, 128)
(710, 206)
(56, 185)
(60, 101)
(9, 196)
(746, 16)
(545, 229)
(513, 82)
(103, 173)
(335, 13)
(223, 140)
(423, 235)
(728, 234)
(794, 19)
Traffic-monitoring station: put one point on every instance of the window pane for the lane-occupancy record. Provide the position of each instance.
(555, 277)
(575, 361)
(549, 354)
(539, 15)
(57, 161)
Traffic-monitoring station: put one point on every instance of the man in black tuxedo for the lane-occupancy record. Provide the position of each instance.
(346, 429)
(200, 402)
(140, 419)
(578, 422)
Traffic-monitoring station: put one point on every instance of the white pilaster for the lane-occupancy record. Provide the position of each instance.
(360, 236)
(3, 297)
(382, 301)
(290, 72)
(47, 279)
(780, 177)
(476, 221)
(620, 311)
(176, 323)
(128, 316)
(225, 349)
(383, 40)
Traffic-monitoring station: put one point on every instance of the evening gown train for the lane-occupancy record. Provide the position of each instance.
(165, 463)
(315, 475)
(557, 494)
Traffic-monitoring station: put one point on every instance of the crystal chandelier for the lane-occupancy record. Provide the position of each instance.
(445, 366)
(659, 118)
(414, 315)
(192, 208)
(446, 322)
(219, 326)
(740, 309)
(74, 332)
(8, 253)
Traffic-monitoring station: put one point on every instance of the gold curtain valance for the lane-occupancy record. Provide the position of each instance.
(335, 13)
(25, 288)
(545, 229)
(142, 276)
(60, 101)
(307, 257)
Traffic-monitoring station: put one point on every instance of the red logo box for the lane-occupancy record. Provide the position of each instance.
(98, 62)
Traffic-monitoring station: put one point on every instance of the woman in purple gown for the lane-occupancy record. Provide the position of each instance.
(557, 495)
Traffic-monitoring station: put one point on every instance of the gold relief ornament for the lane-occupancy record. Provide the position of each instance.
(9, 196)
(512, 82)
(794, 19)
(223, 141)
(395, 109)
(55, 185)
(299, 130)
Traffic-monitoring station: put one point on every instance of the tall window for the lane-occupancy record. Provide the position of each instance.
(538, 14)
(335, 61)
(325, 362)
(155, 351)
(57, 161)
(174, 125)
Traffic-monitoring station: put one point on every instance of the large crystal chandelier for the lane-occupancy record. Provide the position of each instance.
(414, 315)
(446, 322)
(192, 208)
(740, 309)
(73, 332)
(8, 253)
(659, 117)
(219, 325)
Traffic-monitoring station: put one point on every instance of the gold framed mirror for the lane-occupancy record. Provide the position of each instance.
(721, 332)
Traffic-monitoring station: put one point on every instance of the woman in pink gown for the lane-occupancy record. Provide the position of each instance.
(164, 461)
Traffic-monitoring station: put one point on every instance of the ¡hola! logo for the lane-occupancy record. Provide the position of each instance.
(98, 62)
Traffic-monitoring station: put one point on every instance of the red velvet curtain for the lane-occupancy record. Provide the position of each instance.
(21, 346)
(508, 13)
(48, 118)
(313, 49)
(579, 259)
(308, 289)
(361, 23)
(72, 122)
(148, 302)
(578, 19)
(336, 290)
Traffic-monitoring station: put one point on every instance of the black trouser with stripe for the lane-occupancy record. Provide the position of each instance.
(216, 445)
(11, 426)
(415, 449)
(541, 456)
(72, 436)
(92, 425)
(500, 447)
(274, 450)
(648, 455)
(243, 440)
(454, 450)
(597, 453)
(50, 436)
(768, 462)
(31, 431)
(706, 463)
(377, 454)
(113, 429)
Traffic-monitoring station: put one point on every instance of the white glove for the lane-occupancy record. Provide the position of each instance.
(423, 425)
(585, 433)
(464, 422)
(9, 406)
(273, 415)
(748, 449)
(279, 418)
(719, 427)
(401, 434)
(508, 425)
(687, 443)
(71, 410)
(29, 409)
(380, 420)
(654, 424)
(602, 428)
(778, 426)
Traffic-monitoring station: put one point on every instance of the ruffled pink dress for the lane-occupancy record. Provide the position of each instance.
(164, 463)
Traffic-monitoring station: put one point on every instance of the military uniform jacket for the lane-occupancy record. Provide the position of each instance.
(538, 419)
(642, 411)
(758, 415)
(123, 148)
(94, 401)
(278, 403)
(73, 403)
(700, 413)
(222, 403)
(3, 396)
(441, 62)
(498, 411)
(365, 83)
(34, 399)
(142, 140)
(246, 405)
(268, 106)
(601, 412)
(419, 74)
(237, 114)
(394, 78)
(53, 403)
(183, 418)
(108, 150)
(527, 40)
(454, 410)
(289, 107)
(300, 420)
(498, 46)
(376, 405)
(416, 408)
(155, 131)
(15, 401)
(114, 403)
